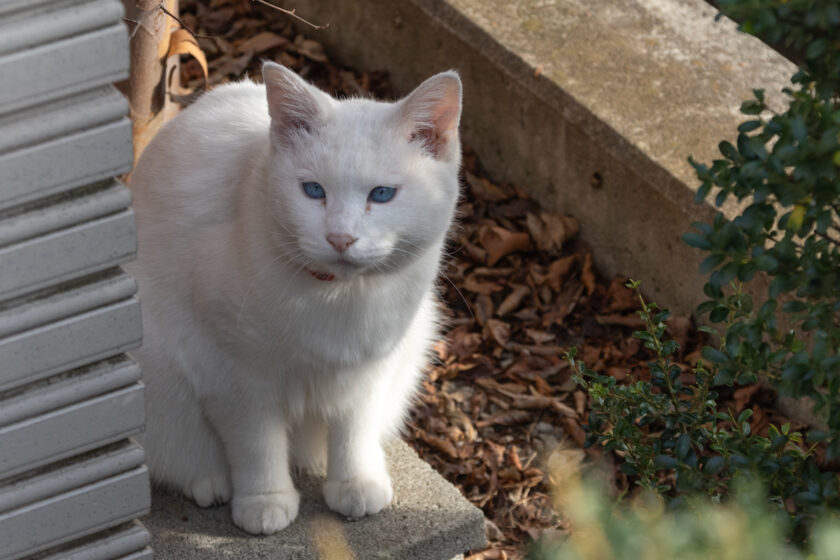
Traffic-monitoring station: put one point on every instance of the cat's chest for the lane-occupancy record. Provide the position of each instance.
(347, 333)
(334, 331)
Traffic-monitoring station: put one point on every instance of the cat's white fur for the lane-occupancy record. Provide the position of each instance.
(251, 362)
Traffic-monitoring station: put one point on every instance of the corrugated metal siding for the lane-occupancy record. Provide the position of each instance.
(72, 481)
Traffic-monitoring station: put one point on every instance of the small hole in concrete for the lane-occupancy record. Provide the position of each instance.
(596, 181)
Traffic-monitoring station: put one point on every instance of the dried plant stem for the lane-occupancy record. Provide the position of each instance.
(292, 14)
(184, 25)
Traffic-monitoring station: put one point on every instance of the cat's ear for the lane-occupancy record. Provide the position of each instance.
(430, 114)
(294, 105)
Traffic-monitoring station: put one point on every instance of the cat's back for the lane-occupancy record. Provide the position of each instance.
(194, 164)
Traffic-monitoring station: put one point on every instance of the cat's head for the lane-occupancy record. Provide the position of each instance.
(361, 186)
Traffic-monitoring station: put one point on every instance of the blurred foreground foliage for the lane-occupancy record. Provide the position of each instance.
(745, 528)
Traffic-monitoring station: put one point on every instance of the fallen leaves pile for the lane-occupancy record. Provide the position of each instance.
(519, 290)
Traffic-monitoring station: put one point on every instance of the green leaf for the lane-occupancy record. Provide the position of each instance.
(629, 469)
(748, 126)
(696, 240)
(683, 446)
(714, 355)
(719, 314)
(816, 49)
(665, 462)
(711, 262)
(714, 465)
(766, 263)
(794, 306)
(728, 151)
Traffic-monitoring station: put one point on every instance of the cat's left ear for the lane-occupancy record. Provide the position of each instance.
(431, 113)
(294, 105)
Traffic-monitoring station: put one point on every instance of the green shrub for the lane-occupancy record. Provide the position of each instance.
(783, 170)
(673, 439)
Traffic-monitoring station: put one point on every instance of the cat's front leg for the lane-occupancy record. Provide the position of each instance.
(255, 439)
(357, 478)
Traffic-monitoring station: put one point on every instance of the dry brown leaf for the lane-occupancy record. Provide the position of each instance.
(580, 402)
(262, 42)
(507, 418)
(743, 395)
(230, 66)
(574, 430)
(464, 344)
(540, 402)
(482, 189)
(619, 297)
(540, 337)
(632, 321)
(558, 270)
(499, 242)
(513, 299)
(497, 330)
(619, 373)
(550, 231)
(444, 446)
(472, 284)
(483, 308)
(313, 50)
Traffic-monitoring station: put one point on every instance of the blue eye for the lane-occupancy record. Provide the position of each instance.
(313, 190)
(382, 194)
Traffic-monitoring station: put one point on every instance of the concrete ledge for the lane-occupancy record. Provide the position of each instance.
(593, 107)
(428, 520)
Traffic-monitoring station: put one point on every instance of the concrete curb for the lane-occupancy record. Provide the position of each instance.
(428, 519)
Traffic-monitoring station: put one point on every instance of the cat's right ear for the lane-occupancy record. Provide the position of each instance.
(294, 105)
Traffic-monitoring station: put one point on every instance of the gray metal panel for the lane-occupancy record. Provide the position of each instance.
(69, 343)
(64, 163)
(63, 67)
(63, 255)
(66, 300)
(67, 388)
(64, 116)
(145, 554)
(9, 7)
(74, 514)
(71, 430)
(131, 539)
(55, 213)
(72, 473)
(29, 29)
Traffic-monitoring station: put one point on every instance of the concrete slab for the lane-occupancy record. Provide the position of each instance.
(428, 520)
(593, 107)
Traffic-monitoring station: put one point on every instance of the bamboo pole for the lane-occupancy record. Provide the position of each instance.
(153, 73)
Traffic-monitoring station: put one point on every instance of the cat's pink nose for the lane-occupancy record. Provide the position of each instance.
(340, 241)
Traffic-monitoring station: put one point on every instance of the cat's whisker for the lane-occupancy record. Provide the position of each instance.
(461, 295)
(256, 276)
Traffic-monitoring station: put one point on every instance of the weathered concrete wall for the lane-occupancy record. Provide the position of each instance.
(561, 96)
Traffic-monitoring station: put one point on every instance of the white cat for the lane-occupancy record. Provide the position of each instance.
(289, 245)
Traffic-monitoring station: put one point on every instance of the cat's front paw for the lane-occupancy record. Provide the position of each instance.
(264, 514)
(358, 496)
(209, 490)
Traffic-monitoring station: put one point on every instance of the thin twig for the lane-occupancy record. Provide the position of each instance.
(291, 13)
(140, 23)
(185, 26)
